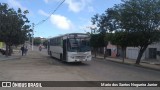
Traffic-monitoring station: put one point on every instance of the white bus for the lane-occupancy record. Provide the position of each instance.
(73, 47)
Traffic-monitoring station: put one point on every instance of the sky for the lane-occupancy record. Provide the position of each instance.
(73, 16)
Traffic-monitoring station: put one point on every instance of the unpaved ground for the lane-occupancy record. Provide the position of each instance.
(38, 66)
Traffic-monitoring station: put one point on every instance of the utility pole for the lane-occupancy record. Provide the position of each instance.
(92, 28)
(32, 35)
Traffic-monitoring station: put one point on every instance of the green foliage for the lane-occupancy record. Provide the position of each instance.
(94, 40)
(141, 20)
(13, 25)
(13, 28)
(45, 43)
(37, 41)
(98, 37)
(97, 40)
(134, 22)
(118, 38)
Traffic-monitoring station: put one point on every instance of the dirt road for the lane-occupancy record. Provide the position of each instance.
(38, 66)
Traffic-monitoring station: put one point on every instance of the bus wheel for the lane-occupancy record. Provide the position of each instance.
(61, 58)
(50, 53)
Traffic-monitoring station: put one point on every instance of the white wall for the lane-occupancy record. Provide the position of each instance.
(132, 53)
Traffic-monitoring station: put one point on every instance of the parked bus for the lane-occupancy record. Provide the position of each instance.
(73, 47)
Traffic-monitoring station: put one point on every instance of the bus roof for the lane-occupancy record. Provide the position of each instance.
(68, 34)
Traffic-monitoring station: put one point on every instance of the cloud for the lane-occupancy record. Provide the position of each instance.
(46, 1)
(87, 26)
(91, 9)
(43, 13)
(61, 22)
(16, 4)
(77, 5)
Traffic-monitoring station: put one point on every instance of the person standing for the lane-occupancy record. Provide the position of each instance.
(23, 50)
(40, 48)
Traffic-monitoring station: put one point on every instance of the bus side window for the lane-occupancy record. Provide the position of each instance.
(61, 42)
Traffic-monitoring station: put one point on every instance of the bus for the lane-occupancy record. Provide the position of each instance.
(73, 47)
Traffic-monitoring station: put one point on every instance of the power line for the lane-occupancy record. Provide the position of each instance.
(33, 25)
(50, 14)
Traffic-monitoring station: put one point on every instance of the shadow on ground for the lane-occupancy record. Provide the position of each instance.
(55, 60)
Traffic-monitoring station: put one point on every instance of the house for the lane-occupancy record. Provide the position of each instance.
(152, 52)
(2, 45)
(132, 53)
(2, 48)
(111, 50)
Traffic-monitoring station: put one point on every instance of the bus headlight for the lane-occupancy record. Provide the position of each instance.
(72, 57)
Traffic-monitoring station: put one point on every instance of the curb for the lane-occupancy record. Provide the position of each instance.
(152, 63)
(142, 66)
(147, 67)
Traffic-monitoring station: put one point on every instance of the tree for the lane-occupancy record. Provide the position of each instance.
(119, 38)
(37, 41)
(140, 19)
(93, 42)
(98, 37)
(97, 41)
(137, 20)
(13, 26)
(45, 43)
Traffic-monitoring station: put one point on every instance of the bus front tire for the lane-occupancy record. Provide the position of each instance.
(50, 53)
(61, 58)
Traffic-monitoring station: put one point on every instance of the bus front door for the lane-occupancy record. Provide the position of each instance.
(48, 48)
(64, 49)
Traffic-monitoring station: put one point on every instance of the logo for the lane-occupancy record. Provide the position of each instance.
(6, 84)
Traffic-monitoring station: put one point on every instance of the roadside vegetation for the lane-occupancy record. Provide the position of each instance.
(14, 27)
(133, 23)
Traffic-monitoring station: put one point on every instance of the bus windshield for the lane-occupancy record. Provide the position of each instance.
(78, 45)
